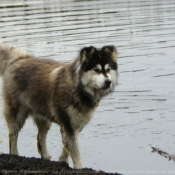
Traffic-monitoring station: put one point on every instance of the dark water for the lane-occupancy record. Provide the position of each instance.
(141, 111)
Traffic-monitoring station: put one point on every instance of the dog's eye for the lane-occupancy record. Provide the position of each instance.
(108, 70)
(97, 70)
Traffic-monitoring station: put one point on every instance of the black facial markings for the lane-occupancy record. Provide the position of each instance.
(105, 74)
(97, 70)
(102, 58)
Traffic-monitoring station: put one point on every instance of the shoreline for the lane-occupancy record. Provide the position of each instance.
(13, 164)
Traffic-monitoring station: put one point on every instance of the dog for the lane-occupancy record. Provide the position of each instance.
(50, 91)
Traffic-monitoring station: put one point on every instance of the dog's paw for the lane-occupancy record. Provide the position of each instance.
(63, 159)
(47, 157)
(78, 165)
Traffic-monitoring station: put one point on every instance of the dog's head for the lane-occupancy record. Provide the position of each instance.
(98, 69)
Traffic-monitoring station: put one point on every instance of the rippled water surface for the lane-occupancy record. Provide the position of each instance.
(141, 111)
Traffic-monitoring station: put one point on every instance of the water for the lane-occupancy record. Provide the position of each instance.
(140, 113)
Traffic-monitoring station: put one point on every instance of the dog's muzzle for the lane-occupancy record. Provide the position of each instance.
(107, 84)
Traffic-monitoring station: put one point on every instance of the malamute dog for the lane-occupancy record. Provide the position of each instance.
(50, 91)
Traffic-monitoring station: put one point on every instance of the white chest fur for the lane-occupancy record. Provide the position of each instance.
(78, 118)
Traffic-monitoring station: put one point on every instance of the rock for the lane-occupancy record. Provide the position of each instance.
(13, 164)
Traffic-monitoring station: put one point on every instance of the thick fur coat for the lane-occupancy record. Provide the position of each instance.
(50, 91)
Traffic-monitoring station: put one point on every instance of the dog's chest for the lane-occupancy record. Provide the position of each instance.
(78, 118)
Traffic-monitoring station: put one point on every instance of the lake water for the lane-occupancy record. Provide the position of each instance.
(141, 111)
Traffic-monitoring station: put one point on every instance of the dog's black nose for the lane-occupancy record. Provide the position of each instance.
(107, 82)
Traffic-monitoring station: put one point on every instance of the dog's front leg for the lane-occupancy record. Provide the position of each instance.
(70, 142)
(74, 151)
(65, 154)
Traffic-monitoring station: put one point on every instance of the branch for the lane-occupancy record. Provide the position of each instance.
(163, 153)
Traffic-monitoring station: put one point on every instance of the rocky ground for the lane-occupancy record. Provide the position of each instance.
(12, 164)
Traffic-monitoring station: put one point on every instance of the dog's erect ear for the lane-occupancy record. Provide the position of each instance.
(87, 53)
(111, 51)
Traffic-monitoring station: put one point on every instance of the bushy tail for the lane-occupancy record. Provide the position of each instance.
(9, 55)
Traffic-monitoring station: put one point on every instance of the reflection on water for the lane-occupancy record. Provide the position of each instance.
(140, 113)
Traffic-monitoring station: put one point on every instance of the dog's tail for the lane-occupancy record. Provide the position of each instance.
(9, 55)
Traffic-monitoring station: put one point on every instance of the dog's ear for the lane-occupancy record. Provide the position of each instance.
(111, 51)
(87, 53)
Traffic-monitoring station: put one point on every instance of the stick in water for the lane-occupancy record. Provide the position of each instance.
(163, 153)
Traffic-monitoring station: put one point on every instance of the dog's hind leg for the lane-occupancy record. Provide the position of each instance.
(70, 141)
(64, 156)
(43, 127)
(15, 117)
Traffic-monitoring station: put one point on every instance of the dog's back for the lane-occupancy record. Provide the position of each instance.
(11, 55)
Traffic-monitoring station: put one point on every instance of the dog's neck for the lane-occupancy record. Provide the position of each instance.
(87, 96)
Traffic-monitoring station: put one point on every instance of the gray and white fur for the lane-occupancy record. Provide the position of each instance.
(50, 91)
